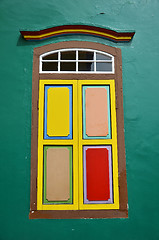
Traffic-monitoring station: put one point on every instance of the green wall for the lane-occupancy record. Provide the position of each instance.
(141, 114)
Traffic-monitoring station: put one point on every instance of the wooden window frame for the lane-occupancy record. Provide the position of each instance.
(122, 212)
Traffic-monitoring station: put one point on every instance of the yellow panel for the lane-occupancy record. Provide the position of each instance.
(58, 111)
(112, 142)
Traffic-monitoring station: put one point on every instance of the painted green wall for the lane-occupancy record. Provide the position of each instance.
(141, 114)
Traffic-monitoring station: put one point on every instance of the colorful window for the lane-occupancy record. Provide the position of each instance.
(78, 155)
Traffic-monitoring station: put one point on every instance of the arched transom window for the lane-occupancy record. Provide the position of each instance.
(76, 61)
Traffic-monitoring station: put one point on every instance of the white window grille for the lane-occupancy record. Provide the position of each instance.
(76, 61)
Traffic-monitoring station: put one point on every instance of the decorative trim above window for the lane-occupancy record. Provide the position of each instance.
(76, 61)
(78, 29)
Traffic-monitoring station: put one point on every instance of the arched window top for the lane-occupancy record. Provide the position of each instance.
(76, 60)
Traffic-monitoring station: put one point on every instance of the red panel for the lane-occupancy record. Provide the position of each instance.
(97, 173)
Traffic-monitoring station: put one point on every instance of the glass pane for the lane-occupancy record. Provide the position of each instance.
(85, 55)
(85, 66)
(104, 67)
(102, 57)
(68, 66)
(70, 55)
(49, 66)
(53, 56)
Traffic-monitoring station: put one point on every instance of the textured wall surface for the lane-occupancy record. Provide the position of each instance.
(141, 114)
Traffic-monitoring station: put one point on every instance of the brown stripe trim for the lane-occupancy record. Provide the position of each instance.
(67, 214)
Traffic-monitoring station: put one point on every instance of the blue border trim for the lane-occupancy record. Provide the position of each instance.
(45, 111)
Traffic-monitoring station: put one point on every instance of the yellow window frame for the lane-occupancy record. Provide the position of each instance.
(43, 142)
(77, 142)
(112, 142)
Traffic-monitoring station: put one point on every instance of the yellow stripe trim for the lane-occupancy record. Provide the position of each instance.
(76, 30)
